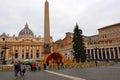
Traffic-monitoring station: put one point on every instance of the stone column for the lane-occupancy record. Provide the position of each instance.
(25, 51)
(109, 52)
(86, 52)
(118, 52)
(113, 53)
(33, 51)
(101, 54)
(90, 54)
(6, 54)
(94, 53)
(106, 57)
(21, 51)
(19, 55)
(13, 50)
(98, 54)
(29, 49)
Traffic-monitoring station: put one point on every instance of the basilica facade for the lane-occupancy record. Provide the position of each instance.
(24, 46)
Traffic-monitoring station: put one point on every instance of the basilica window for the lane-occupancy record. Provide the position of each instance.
(31, 56)
(16, 55)
(23, 51)
(22, 55)
(37, 51)
(27, 55)
(37, 55)
(16, 50)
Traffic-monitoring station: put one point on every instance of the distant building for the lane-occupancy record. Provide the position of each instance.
(65, 46)
(104, 46)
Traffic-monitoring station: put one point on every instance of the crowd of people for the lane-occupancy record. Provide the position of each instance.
(19, 68)
(35, 66)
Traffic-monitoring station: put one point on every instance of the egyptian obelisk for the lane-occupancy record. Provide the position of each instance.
(46, 29)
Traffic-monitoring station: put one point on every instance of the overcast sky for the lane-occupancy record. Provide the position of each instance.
(64, 14)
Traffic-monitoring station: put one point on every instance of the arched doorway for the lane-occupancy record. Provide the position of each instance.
(55, 57)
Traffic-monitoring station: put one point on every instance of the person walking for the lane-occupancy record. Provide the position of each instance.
(38, 66)
(58, 65)
(23, 69)
(19, 68)
(33, 67)
(44, 66)
(16, 69)
(96, 63)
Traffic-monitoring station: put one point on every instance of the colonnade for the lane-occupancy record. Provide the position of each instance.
(104, 53)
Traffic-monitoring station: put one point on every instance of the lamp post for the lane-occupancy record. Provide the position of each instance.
(4, 55)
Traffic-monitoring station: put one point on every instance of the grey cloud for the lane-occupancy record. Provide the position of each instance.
(89, 14)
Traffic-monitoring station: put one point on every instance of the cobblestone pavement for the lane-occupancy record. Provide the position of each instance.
(38, 75)
(96, 73)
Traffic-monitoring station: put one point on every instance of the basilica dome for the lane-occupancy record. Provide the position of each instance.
(26, 32)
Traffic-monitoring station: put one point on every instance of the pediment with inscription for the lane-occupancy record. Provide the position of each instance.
(27, 40)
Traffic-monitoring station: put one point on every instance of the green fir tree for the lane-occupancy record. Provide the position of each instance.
(78, 45)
